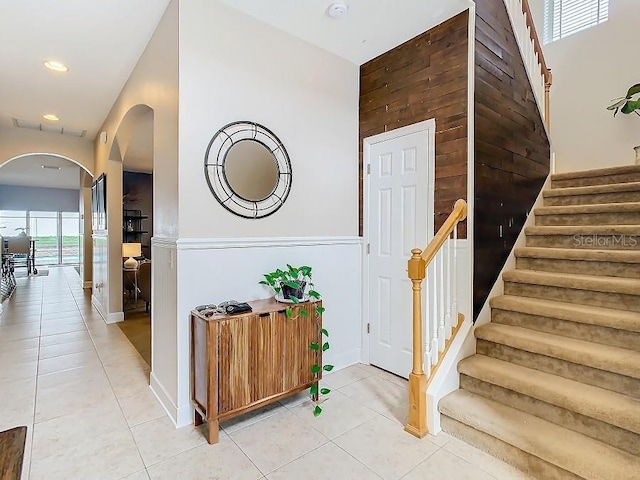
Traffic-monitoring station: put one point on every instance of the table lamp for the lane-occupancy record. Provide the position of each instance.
(131, 250)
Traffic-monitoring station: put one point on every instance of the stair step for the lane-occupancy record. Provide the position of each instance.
(612, 263)
(593, 237)
(600, 291)
(607, 416)
(612, 368)
(601, 176)
(603, 214)
(595, 194)
(617, 328)
(534, 445)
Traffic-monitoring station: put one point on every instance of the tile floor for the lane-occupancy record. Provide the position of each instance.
(82, 390)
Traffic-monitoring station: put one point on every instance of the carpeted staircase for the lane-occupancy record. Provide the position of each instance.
(554, 388)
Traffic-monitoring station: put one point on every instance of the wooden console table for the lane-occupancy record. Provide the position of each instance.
(242, 362)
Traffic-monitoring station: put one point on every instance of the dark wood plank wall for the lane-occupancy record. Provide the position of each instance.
(425, 77)
(512, 147)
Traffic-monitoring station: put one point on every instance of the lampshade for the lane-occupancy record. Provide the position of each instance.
(131, 250)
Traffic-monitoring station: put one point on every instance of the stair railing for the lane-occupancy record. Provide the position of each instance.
(439, 260)
(532, 54)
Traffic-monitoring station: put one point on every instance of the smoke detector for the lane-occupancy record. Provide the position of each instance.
(337, 10)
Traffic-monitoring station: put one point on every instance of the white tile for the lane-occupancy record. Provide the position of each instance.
(141, 475)
(403, 382)
(329, 462)
(484, 461)
(64, 338)
(344, 377)
(222, 461)
(277, 440)
(59, 349)
(67, 362)
(385, 447)
(159, 439)
(443, 464)
(250, 418)
(386, 398)
(339, 414)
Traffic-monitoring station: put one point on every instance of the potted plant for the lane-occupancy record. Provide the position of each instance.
(294, 285)
(630, 103)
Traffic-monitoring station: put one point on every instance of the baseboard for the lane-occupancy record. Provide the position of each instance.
(87, 284)
(179, 416)
(96, 303)
(346, 359)
(115, 317)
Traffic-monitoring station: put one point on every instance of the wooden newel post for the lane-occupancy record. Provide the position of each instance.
(417, 424)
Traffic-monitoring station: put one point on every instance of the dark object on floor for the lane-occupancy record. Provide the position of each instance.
(12, 444)
(144, 284)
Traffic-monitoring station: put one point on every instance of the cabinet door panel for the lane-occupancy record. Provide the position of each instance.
(300, 332)
(250, 360)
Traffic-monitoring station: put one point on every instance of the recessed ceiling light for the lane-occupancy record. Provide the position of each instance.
(337, 10)
(50, 167)
(51, 116)
(56, 66)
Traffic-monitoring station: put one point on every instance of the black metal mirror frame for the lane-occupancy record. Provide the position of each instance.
(214, 169)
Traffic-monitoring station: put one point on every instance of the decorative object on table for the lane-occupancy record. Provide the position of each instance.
(628, 104)
(131, 250)
(248, 169)
(290, 286)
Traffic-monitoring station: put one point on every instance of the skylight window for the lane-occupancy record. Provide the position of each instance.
(566, 17)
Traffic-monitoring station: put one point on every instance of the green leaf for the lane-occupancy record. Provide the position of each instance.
(314, 346)
(324, 332)
(294, 300)
(327, 368)
(288, 312)
(325, 346)
(633, 90)
(292, 284)
(263, 282)
(314, 294)
(320, 310)
(314, 389)
(304, 313)
(315, 369)
(627, 108)
(324, 391)
(317, 411)
(634, 104)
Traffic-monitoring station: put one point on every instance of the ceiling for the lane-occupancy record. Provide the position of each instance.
(370, 28)
(28, 171)
(102, 40)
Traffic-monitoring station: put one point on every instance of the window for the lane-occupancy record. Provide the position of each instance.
(565, 17)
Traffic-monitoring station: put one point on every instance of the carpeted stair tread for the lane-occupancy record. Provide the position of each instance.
(597, 283)
(604, 405)
(599, 172)
(556, 445)
(592, 190)
(585, 230)
(623, 207)
(616, 256)
(602, 357)
(605, 317)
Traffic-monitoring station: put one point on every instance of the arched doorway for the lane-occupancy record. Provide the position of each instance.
(44, 196)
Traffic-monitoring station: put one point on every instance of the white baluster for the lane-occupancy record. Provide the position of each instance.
(447, 286)
(454, 292)
(441, 308)
(434, 313)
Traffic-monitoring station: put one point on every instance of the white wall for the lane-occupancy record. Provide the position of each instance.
(590, 68)
(15, 142)
(154, 83)
(233, 67)
(17, 197)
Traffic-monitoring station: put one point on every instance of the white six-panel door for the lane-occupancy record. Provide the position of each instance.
(399, 217)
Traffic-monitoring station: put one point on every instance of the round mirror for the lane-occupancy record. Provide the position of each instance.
(251, 170)
(248, 170)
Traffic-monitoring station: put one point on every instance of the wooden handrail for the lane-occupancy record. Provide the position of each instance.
(458, 214)
(544, 70)
(417, 267)
(537, 46)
